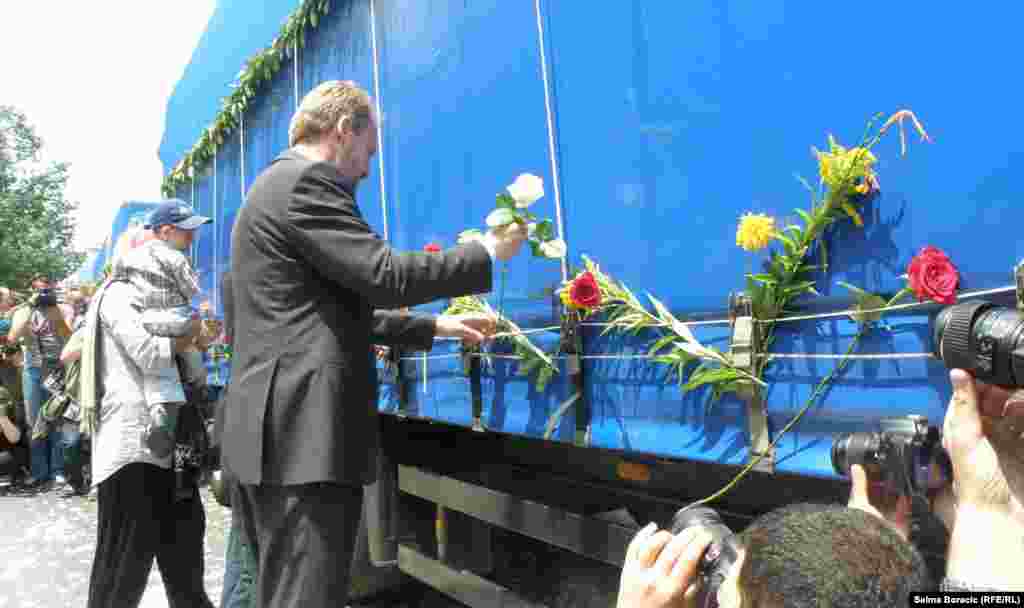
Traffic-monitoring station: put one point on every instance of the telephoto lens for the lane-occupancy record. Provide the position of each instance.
(856, 448)
(720, 556)
(985, 339)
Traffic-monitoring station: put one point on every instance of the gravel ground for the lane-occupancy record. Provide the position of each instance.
(48, 544)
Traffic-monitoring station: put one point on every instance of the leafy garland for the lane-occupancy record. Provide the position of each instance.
(258, 70)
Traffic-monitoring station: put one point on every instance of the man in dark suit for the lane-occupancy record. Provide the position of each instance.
(313, 288)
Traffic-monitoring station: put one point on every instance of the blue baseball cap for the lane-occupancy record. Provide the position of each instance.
(175, 213)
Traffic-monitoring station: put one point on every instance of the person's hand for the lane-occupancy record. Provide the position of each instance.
(660, 569)
(982, 434)
(874, 498)
(471, 328)
(188, 341)
(506, 241)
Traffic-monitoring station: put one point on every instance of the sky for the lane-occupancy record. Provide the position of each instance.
(93, 79)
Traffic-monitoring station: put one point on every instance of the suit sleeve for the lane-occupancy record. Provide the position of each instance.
(331, 235)
(405, 330)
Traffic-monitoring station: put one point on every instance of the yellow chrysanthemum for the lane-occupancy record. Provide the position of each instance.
(755, 231)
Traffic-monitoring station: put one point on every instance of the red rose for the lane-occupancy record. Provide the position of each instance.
(432, 248)
(933, 276)
(584, 291)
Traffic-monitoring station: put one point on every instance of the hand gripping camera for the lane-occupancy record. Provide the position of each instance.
(720, 555)
(905, 454)
(984, 339)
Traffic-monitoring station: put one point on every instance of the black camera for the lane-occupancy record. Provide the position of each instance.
(984, 339)
(906, 454)
(720, 556)
(45, 298)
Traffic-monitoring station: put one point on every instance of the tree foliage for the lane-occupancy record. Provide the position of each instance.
(36, 220)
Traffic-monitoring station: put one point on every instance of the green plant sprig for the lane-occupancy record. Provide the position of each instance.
(626, 313)
(531, 358)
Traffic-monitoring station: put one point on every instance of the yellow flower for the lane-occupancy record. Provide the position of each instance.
(852, 212)
(565, 298)
(755, 231)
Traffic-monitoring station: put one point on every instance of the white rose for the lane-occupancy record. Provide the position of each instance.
(554, 249)
(526, 190)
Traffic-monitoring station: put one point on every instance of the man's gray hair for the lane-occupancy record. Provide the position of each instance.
(325, 106)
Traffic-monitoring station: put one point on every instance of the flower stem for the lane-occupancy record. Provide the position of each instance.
(815, 394)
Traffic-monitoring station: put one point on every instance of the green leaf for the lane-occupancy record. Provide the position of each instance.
(504, 201)
(500, 217)
(710, 375)
(765, 279)
(545, 230)
(787, 242)
(314, 19)
(865, 301)
(906, 291)
(661, 343)
(804, 215)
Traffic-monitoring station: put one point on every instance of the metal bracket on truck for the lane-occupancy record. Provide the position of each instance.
(572, 347)
(471, 366)
(744, 348)
(1018, 275)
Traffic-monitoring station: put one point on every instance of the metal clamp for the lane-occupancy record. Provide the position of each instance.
(743, 350)
(1018, 275)
(471, 366)
(397, 366)
(571, 345)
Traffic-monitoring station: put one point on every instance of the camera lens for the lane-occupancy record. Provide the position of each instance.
(984, 339)
(720, 556)
(855, 448)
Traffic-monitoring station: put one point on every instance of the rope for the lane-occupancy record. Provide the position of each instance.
(380, 130)
(551, 137)
(295, 71)
(873, 356)
(846, 313)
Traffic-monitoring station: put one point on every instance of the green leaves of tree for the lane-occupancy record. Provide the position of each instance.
(36, 220)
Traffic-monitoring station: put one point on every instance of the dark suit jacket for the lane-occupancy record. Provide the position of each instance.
(309, 280)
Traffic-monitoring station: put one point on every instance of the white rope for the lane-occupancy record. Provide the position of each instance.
(871, 356)
(380, 127)
(846, 313)
(295, 71)
(192, 248)
(241, 153)
(875, 356)
(551, 137)
(216, 233)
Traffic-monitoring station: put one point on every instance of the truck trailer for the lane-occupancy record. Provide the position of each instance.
(655, 127)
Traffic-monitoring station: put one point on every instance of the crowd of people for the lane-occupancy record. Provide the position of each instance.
(310, 294)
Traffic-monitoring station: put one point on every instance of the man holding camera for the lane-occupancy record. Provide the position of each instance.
(41, 328)
(810, 555)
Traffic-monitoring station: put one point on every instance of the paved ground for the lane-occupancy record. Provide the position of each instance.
(47, 544)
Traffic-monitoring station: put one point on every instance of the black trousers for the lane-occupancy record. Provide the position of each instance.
(138, 521)
(304, 537)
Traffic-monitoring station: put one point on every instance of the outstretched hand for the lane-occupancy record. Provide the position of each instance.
(471, 328)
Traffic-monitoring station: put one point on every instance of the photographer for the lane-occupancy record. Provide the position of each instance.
(41, 328)
(807, 555)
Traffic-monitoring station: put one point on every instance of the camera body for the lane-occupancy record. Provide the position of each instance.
(720, 555)
(906, 454)
(45, 298)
